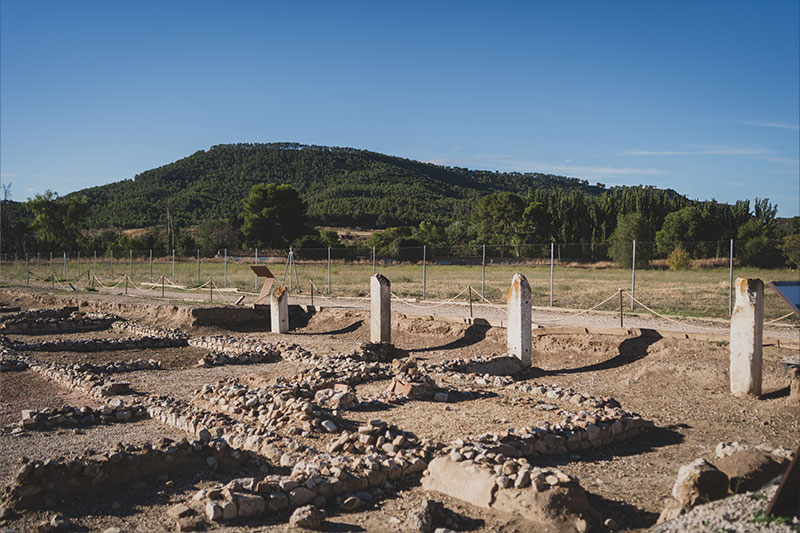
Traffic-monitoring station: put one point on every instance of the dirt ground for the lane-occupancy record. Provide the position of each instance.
(681, 385)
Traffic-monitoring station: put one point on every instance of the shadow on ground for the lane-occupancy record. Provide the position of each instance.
(472, 335)
(630, 351)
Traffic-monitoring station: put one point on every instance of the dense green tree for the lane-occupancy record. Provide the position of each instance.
(536, 225)
(496, 218)
(630, 227)
(681, 229)
(212, 236)
(754, 246)
(329, 237)
(274, 216)
(791, 249)
(57, 221)
(430, 234)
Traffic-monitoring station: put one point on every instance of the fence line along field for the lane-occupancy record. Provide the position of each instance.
(696, 292)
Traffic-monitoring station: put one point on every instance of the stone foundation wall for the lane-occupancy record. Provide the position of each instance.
(37, 483)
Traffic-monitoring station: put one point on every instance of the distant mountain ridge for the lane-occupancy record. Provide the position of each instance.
(343, 186)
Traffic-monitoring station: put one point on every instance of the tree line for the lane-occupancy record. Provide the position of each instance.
(602, 227)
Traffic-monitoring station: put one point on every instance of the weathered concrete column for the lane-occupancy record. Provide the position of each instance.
(380, 309)
(519, 319)
(279, 310)
(747, 328)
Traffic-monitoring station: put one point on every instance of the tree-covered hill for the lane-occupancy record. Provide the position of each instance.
(342, 186)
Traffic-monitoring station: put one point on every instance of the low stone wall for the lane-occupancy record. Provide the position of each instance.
(339, 369)
(314, 473)
(73, 323)
(100, 345)
(71, 417)
(245, 358)
(11, 364)
(95, 385)
(37, 483)
(34, 314)
(270, 408)
(146, 330)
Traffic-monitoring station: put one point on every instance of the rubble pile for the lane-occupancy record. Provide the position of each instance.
(553, 392)
(409, 382)
(373, 436)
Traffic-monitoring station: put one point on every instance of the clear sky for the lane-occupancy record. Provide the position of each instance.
(701, 97)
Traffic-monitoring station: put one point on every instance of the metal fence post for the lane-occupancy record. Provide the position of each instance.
(79, 263)
(424, 268)
(329, 269)
(483, 272)
(633, 274)
(173, 265)
(730, 283)
(27, 272)
(151, 265)
(255, 276)
(51, 262)
(552, 249)
(65, 265)
(130, 264)
(111, 265)
(225, 260)
(198, 266)
(94, 263)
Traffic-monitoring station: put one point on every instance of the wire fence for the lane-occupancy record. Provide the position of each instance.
(561, 275)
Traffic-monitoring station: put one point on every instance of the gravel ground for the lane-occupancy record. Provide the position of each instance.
(735, 514)
(181, 383)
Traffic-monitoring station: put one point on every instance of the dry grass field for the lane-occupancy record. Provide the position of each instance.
(698, 292)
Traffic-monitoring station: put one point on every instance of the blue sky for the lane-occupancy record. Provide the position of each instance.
(701, 97)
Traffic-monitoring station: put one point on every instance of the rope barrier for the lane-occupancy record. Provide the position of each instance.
(787, 315)
(320, 295)
(488, 302)
(108, 286)
(432, 306)
(585, 311)
(668, 318)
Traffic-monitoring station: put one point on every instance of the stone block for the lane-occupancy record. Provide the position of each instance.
(279, 310)
(746, 337)
(380, 316)
(699, 482)
(519, 319)
(249, 504)
(467, 483)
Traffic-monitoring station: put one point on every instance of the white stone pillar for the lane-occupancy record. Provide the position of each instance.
(747, 329)
(279, 310)
(519, 319)
(380, 310)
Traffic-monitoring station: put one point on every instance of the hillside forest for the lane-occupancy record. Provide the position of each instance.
(272, 196)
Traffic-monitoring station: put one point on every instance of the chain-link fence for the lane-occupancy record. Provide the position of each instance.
(695, 280)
